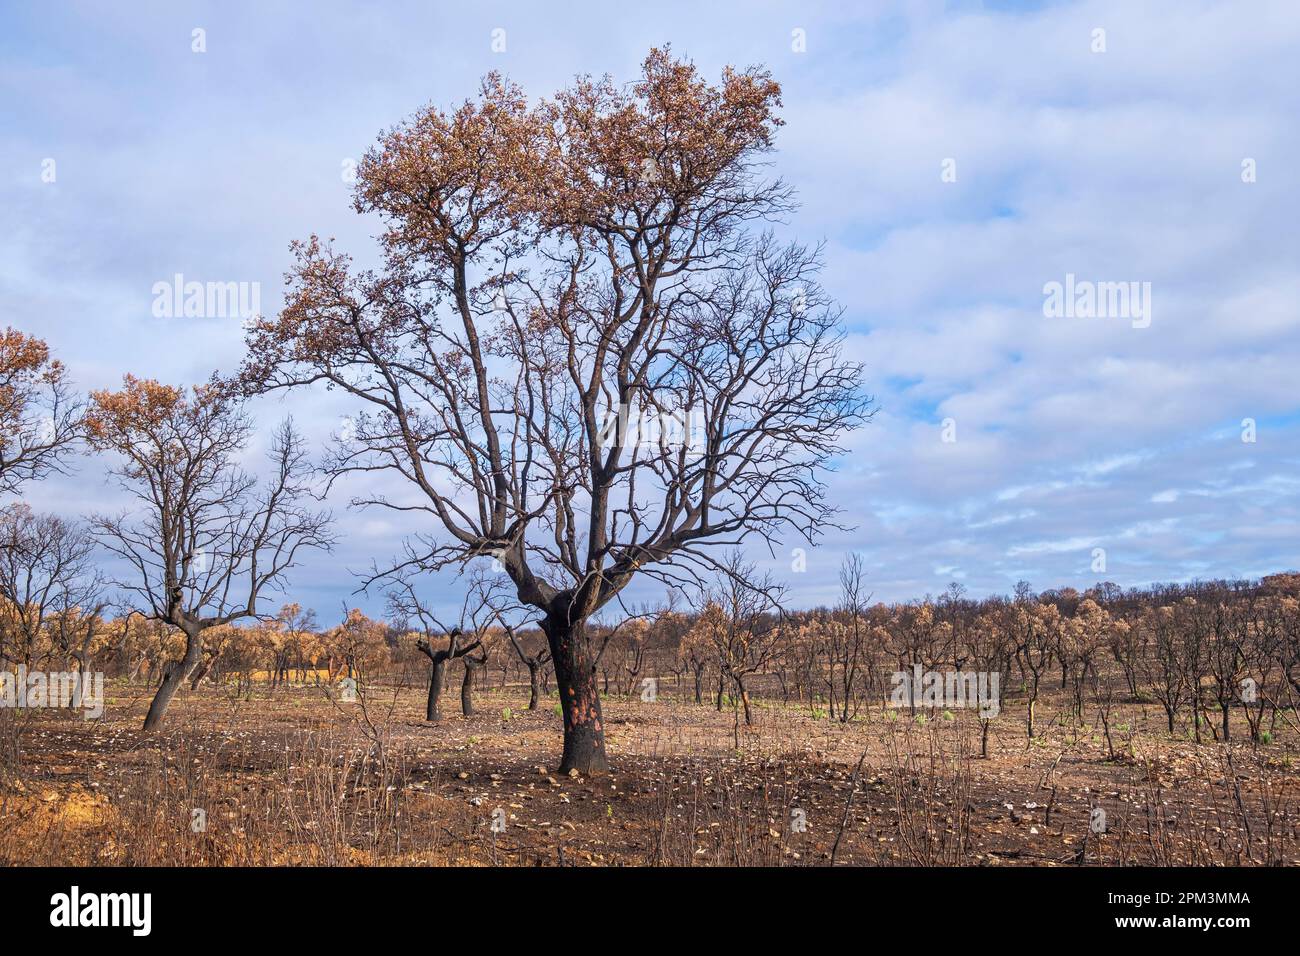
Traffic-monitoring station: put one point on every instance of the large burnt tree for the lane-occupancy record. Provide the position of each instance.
(554, 279)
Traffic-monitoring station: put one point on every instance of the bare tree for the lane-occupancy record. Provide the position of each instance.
(204, 541)
(743, 618)
(534, 655)
(1229, 612)
(916, 636)
(471, 663)
(1079, 641)
(553, 275)
(40, 418)
(486, 602)
(848, 644)
(46, 569)
(989, 649)
(1163, 669)
(697, 652)
(78, 623)
(1031, 627)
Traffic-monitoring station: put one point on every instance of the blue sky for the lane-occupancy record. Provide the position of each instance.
(1117, 166)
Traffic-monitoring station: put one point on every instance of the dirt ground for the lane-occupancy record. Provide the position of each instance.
(296, 777)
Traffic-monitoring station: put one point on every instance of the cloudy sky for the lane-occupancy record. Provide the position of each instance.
(956, 158)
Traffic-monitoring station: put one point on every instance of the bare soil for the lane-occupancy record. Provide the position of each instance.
(296, 777)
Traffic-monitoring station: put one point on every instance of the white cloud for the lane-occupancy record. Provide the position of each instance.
(1116, 167)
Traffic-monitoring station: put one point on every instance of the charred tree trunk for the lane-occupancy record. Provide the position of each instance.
(472, 664)
(436, 672)
(575, 678)
(534, 684)
(174, 677)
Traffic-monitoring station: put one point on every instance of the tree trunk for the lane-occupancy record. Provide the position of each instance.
(575, 678)
(534, 684)
(467, 686)
(173, 679)
(744, 700)
(436, 671)
(200, 672)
